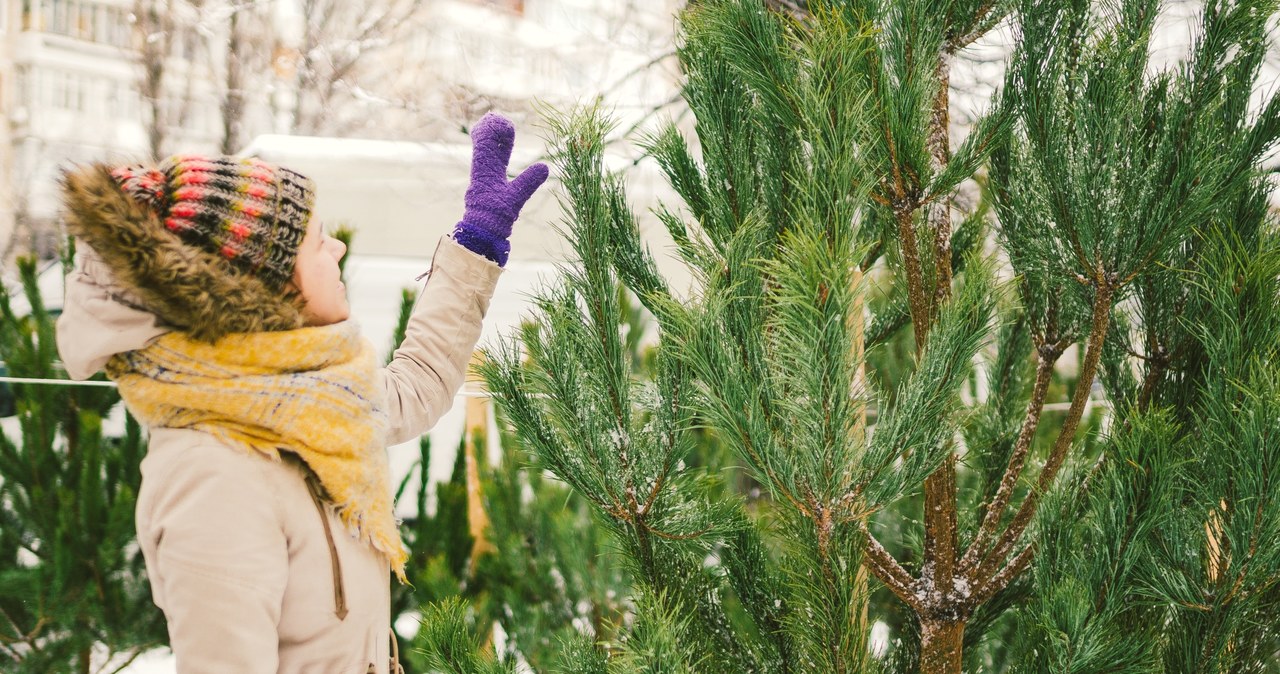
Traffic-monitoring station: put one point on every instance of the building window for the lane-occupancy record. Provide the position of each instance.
(57, 14)
(21, 88)
(57, 89)
(83, 20)
(33, 15)
(119, 28)
(76, 92)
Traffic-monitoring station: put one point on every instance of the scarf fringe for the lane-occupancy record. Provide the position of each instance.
(393, 550)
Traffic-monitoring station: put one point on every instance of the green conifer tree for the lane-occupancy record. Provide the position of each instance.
(1161, 554)
(72, 583)
(1130, 214)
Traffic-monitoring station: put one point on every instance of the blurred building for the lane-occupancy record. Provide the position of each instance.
(69, 91)
(63, 79)
(73, 78)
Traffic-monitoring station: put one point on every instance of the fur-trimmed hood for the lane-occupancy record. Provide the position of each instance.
(140, 278)
(99, 319)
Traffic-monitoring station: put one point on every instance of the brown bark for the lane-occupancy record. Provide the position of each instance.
(940, 535)
(888, 570)
(940, 211)
(916, 297)
(941, 646)
(941, 538)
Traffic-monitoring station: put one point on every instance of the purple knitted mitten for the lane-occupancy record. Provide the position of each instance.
(492, 203)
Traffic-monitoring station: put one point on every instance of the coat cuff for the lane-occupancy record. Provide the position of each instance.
(478, 240)
(457, 261)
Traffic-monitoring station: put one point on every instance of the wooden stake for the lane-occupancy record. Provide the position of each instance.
(857, 321)
(475, 446)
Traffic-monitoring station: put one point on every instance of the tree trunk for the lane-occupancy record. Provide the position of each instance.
(941, 646)
(233, 100)
(942, 642)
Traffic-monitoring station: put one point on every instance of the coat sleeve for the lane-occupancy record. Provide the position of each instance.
(218, 561)
(431, 364)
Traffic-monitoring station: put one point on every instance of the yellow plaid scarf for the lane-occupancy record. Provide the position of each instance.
(311, 391)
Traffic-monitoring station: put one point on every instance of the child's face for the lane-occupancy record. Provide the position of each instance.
(318, 278)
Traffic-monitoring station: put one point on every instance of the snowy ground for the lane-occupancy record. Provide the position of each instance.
(159, 661)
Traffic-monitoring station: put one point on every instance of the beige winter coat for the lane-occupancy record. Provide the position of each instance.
(253, 573)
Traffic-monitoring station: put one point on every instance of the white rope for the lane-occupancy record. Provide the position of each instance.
(1051, 407)
(465, 393)
(55, 382)
(111, 384)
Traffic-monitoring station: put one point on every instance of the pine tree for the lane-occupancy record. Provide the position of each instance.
(71, 577)
(1165, 559)
(545, 576)
(1130, 215)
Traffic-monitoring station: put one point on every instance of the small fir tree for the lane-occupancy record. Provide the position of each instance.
(73, 592)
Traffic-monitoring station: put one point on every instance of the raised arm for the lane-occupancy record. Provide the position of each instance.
(430, 366)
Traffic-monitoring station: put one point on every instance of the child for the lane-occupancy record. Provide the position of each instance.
(210, 295)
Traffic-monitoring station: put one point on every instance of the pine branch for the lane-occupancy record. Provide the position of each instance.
(900, 195)
(1093, 352)
(983, 592)
(982, 21)
(132, 657)
(1158, 362)
(1048, 358)
(774, 480)
(1126, 540)
(1254, 536)
(30, 637)
(829, 563)
(889, 570)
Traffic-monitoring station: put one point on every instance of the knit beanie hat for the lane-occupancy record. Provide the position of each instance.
(208, 245)
(245, 210)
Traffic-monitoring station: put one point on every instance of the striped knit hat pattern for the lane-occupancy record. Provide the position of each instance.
(247, 211)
